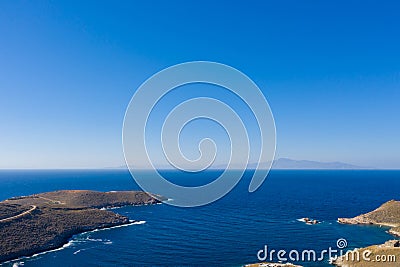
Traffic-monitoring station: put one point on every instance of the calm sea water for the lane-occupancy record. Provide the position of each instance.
(228, 232)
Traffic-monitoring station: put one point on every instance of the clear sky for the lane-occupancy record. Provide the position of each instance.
(329, 69)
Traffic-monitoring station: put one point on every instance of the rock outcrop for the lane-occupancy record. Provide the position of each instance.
(386, 215)
(385, 255)
(309, 221)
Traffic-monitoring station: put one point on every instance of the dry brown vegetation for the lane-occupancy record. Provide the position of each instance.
(388, 215)
(57, 217)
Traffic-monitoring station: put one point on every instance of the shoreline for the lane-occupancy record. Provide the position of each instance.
(387, 215)
(70, 240)
(54, 218)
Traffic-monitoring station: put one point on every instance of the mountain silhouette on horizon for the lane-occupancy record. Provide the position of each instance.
(288, 164)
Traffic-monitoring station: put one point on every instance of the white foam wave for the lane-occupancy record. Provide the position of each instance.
(71, 242)
(94, 240)
(133, 205)
(53, 250)
(131, 222)
(114, 208)
(139, 222)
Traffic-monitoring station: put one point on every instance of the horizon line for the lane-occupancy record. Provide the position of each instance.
(166, 169)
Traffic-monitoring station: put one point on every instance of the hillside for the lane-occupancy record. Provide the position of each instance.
(46, 221)
(387, 214)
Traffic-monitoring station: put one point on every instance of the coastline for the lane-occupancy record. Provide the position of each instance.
(70, 240)
(357, 236)
(388, 215)
(58, 217)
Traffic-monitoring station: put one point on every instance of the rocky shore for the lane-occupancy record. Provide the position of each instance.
(387, 254)
(41, 222)
(386, 215)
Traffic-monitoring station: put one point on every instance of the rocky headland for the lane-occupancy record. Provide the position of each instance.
(387, 254)
(42, 222)
(386, 215)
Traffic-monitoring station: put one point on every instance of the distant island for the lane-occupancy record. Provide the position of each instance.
(388, 215)
(42, 222)
(279, 164)
(285, 163)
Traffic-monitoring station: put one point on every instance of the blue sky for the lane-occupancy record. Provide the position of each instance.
(330, 71)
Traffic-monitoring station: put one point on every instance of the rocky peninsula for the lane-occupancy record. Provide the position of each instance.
(42, 222)
(387, 254)
(386, 215)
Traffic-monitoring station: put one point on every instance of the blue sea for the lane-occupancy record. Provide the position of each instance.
(228, 232)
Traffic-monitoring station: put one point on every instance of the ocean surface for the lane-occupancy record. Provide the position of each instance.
(228, 232)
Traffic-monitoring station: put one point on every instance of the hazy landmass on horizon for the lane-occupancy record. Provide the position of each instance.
(288, 164)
